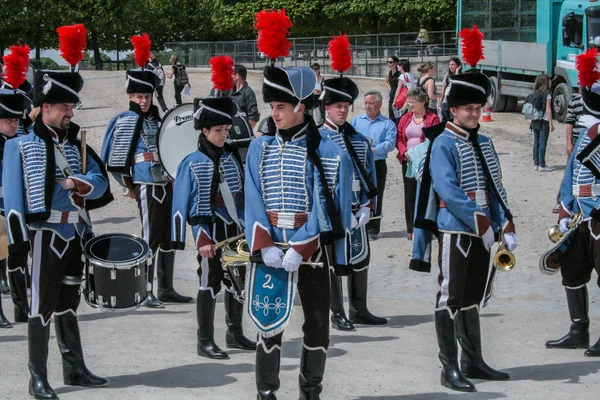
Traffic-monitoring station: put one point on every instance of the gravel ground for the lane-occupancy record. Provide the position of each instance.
(151, 353)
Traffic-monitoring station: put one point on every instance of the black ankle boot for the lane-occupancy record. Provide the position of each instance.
(205, 312)
(338, 316)
(593, 351)
(578, 336)
(37, 340)
(234, 311)
(165, 264)
(4, 289)
(358, 284)
(267, 371)
(151, 300)
(17, 265)
(4, 322)
(312, 368)
(468, 333)
(451, 376)
(75, 372)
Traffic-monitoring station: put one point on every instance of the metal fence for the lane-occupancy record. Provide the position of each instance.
(370, 52)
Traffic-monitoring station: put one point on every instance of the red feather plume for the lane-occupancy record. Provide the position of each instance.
(587, 67)
(472, 49)
(16, 65)
(340, 53)
(221, 68)
(273, 29)
(71, 43)
(141, 49)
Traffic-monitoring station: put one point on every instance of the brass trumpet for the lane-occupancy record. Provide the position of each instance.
(242, 254)
(554, 233)
(504, 260)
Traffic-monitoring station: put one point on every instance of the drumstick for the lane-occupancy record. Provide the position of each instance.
(83, 151)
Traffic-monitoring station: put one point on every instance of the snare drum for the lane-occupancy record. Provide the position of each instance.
(116, 271)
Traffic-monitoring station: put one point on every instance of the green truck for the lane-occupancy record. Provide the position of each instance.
(524, 38)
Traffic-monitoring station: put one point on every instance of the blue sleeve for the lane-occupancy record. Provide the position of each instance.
(446, 184)
(568, 205)
(343, 195)
(14, 198)
(496, 208)
(92, 184)
(389, 142)
(421, 251)
(106, 147)
(182, 192)
(370, 168)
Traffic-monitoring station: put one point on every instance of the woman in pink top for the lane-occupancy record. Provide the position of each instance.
(410, 134)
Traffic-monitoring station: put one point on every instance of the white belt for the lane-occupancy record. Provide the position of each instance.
(356, 186)
(139, 157)
(586, 190)
(480, 197)
(286, 220)
(60, 217)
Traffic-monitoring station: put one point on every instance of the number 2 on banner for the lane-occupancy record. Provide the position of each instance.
(268, 284)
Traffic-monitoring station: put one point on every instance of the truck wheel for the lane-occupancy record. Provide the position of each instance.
(511, 104)
(496, 101)
(560, 101)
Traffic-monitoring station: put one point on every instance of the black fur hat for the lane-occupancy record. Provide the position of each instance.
(591, 99)
(339, 90)
(211, 111)
(13, 103)
(468, 88)
(141, 80)
(56, 87)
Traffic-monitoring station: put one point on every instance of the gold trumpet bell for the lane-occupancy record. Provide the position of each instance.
(554, 233)
(504, 260)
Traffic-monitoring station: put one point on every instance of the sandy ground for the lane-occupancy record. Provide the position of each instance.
(151, 354)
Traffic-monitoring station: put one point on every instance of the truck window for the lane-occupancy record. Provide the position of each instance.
(573, 30)
(593, 26)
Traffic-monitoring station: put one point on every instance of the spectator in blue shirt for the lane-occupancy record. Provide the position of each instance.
(382, 132)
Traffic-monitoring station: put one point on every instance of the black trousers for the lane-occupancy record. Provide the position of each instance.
(55, 274)
(154, 204)
(313, 288)
(210, 270)
(178, 90)
(410, 197)
(582, 256)
(160, 98)
(381, 170)
(464, 267)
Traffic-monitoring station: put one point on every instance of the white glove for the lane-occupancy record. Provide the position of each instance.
(272, 256)
(292, 260)
(564, 224)
(353, 221)
(488, 238)
(363, 215)
(510, 241)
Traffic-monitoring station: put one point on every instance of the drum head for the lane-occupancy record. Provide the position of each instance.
(177, 137)
(117, 248)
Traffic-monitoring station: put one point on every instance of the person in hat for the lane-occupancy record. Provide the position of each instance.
(47, 207)
(130, 154)
(296, 189)
(337, 97)
(462, 201)
(578, 196)
(209, 194)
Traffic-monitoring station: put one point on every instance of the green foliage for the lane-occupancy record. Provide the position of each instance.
(48, 63)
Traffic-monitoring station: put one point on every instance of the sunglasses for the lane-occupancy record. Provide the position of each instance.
(316, 69)
(391, 62)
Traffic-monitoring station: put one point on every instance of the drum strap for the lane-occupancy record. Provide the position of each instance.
(64, 166)
(228, 200)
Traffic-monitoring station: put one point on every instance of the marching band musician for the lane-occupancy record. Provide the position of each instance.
(463, 201)
(337, 96)
(48, 203)
(130, 154)
(579, 195)
(209, 194)
(295, 188)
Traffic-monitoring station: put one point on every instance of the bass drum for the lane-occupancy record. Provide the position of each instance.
(177, 138)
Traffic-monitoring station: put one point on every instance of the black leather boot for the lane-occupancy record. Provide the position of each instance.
(358, 284)
(234, 312)
(205, 312)
(579, 334)
(17, 265)
(593, 351)
(451, 376)
(468, 333)
(75, 372)
(4, 323)
(37, 340)
(312, 368)
(4, 288)
(338, 315)
(267, 372)
(166, 268)
(151, 300)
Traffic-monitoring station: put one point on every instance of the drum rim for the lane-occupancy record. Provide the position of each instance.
(118, 265)
(160, 131)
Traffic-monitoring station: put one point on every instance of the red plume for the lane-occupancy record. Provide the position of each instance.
(221, 68)
(16, 65)
(273, 29)
(340, 53)
(71, 43)
(587, 67)
(141, 49)
(472, 49)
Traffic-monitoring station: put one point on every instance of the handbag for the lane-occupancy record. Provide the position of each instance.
(401, 98)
